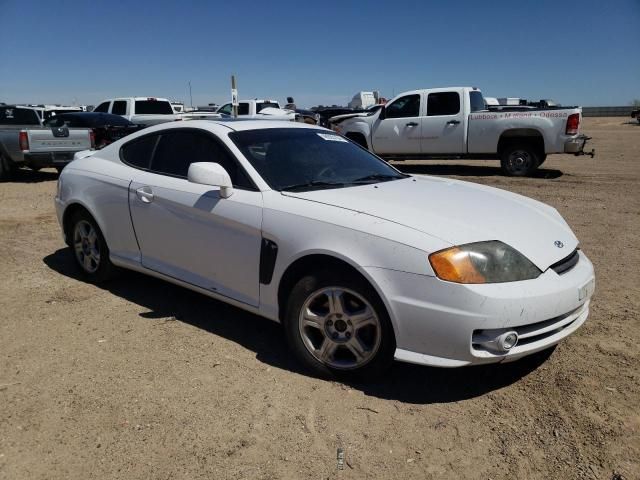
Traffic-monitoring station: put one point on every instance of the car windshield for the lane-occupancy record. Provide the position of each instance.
(299, 159)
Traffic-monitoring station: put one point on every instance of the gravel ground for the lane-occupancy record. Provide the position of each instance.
(144, 380)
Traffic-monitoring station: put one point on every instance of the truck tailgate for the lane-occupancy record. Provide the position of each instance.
(58, 139)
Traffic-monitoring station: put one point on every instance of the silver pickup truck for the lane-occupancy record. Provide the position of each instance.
(25, 142)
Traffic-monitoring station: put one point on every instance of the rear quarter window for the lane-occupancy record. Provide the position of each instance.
(138, 152)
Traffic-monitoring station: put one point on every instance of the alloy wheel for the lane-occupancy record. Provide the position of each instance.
(340, 328)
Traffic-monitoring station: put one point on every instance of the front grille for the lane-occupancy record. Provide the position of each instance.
(567, 263)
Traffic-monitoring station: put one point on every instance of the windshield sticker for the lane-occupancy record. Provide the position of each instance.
(331, 137)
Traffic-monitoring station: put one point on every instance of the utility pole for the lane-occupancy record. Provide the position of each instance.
(234, 96)
(190, 96)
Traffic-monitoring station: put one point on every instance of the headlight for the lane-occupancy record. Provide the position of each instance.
(482, 262)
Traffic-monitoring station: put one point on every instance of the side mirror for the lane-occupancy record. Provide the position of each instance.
(383, 113)
(210, 173)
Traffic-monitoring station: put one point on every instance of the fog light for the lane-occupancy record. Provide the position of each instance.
(507, 341)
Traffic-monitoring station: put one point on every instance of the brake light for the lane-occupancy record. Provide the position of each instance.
(24, 141)
(573, 123)
(92, 138)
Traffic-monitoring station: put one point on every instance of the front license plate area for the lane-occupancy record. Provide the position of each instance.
(586, 290)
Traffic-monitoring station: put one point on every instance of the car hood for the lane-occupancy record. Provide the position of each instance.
(458, 213)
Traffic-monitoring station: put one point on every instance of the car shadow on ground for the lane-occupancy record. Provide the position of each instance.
(25, 175)
(469, 170)
(406, 383)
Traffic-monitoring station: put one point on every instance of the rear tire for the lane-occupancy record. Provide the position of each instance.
(519, 160)
(337, 326)
(6, 168)
(90, 249)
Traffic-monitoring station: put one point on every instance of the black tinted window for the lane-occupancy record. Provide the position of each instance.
(403, 107)
(443, 103)
(243, 109)
(138, 152)
(477, 101)
(18, 116)
(119, 107)
(103, 107)
(153, 107)
(177, 150)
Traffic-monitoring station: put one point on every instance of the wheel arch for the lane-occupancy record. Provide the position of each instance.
(359, 138)
(530, 136)
(313, 261)
(69, 211)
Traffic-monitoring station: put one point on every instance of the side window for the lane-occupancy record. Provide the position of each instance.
(443, 103)
(103, 107)
(119, 107)
(138, 152)
(177, 150)
(243, 108)
(407, 106)
(226, 108)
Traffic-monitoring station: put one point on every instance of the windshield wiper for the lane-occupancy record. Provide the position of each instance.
(376, 176)
(310, 185)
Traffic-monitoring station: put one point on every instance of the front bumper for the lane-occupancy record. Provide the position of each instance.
(439, 323)
(576, 146)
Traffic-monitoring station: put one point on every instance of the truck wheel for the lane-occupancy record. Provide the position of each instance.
(90, 249)
(519, 160)
(336, 325)
(6, 169)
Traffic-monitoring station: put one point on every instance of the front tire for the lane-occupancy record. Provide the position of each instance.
(336, 325)
(519, 160)
(90, 249)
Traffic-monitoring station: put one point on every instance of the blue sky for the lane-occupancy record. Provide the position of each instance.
(577, 52)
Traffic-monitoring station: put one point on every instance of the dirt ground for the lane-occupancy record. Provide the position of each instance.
(145, 380)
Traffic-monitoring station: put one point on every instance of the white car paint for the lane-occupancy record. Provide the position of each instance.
(193, 237)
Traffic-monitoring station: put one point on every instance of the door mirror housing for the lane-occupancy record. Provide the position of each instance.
(210, 173)
(383, 113)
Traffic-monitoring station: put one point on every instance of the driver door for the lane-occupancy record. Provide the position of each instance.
(188, 231)
(401, 130)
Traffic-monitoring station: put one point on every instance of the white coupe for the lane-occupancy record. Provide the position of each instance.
(359, 262)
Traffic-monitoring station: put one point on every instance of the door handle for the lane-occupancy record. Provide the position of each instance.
(453, 122)
(412, 124)
(145, 194)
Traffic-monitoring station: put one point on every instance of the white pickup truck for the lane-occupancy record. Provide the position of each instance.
(455, 123)
(258, 108)
(140, 110)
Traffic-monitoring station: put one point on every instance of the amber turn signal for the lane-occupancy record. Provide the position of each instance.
(455, 265)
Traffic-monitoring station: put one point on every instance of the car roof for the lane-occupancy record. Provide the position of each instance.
(232, 124)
